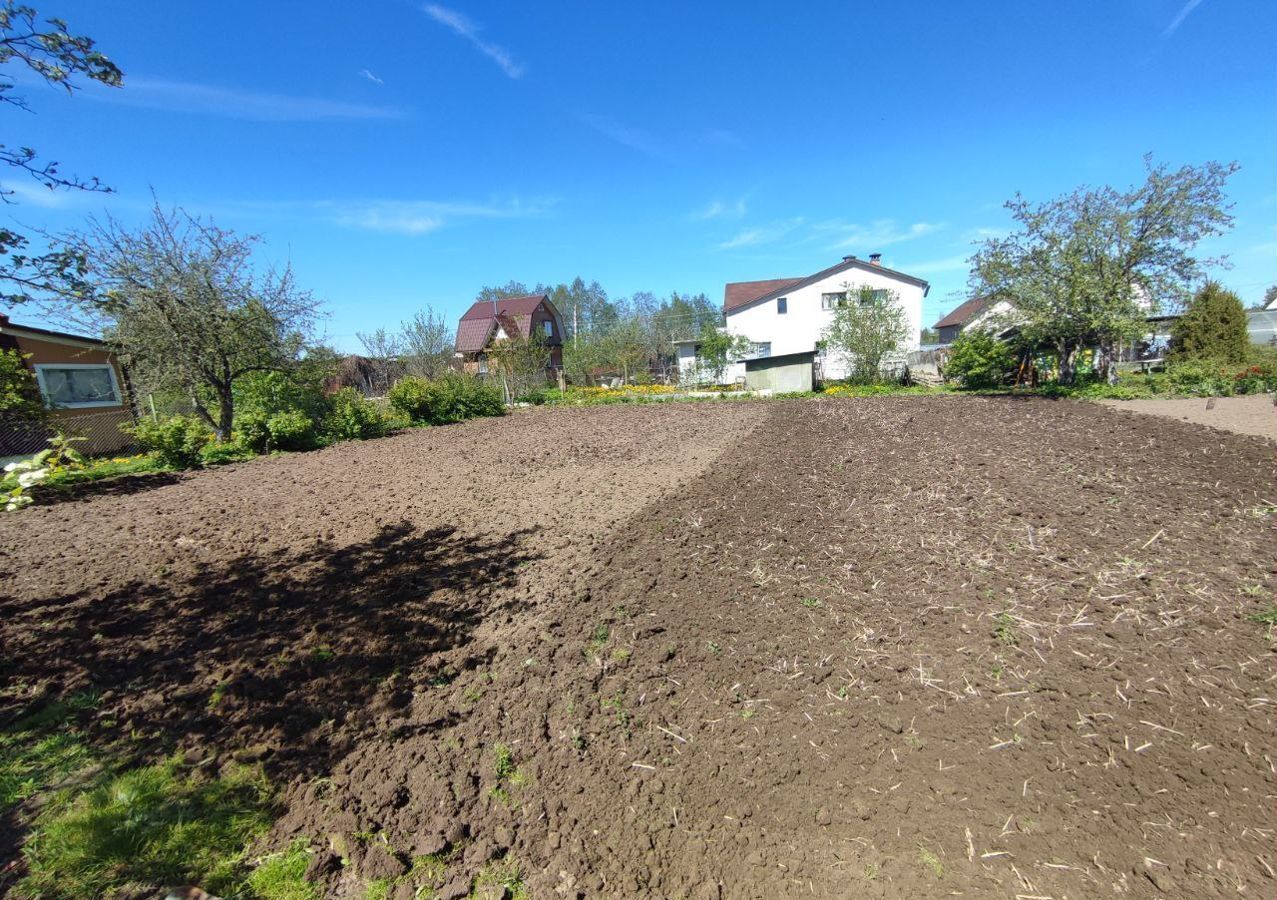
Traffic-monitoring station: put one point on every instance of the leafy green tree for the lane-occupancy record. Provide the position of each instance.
(585, 308)
(866, 329)
(522, 363)
(1086, 268)
(624, 347)
(19, 394)
(180, 300)
(977, 359)
(716, 348)
(501, 292)
(1213, 327)
(57, 57)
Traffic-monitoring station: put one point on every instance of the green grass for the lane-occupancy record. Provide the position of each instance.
(1004, 630)
(282, 876)
(1265, 616)
(502, 874)
(153, 825)
(507, 776)
(931, 861)
(42, 750)
(97, 470)
(103, 829)
(597, 642)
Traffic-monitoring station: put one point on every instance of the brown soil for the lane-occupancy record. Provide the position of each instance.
(1253, 414)
(894, 647)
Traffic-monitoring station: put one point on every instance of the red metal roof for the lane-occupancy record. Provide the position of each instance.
(472, 334)
(513, 313)
(509, 306)
(743, 293)
(739, 293)
(964, 313)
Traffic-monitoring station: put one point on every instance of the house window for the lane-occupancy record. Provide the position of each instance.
(782, 305)
(829, 301)
(77, 385)
(483, 364)
(763, 348)
(549, 328)
(873, 298)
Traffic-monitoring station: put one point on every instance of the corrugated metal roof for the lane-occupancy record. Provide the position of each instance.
(965, 312)
(472, 334)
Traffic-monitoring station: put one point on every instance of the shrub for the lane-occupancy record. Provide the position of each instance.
(291, 429)
(352, 417)
(251, 432)
(451, 398)
(1202, 378)
(1212, 327)
(176, 441)
(276, 392)
(979, 360)
(288, 430)
(221, 453)
(534, 397)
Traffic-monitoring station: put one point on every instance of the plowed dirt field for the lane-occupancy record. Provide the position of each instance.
(891, 647)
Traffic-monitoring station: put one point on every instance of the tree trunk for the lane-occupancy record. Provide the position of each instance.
(1068, 362)
(1106, 364)
(225, 414)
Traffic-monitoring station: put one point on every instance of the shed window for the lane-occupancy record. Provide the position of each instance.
(782, 305)
(77, 385)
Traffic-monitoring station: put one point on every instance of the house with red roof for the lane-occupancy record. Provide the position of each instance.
(488, 323)
(788, 316)
(970, 314)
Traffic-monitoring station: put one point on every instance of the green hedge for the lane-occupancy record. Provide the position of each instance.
(452, 398)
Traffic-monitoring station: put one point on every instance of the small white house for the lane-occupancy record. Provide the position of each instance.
(781, 316)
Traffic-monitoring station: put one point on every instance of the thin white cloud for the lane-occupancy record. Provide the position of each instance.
(181, 96)
(36, 194)
(761, 234)
(1181, 16)
(717, 209)
(469, 30)
(878, 234)
(364, 73)
(414, 218)
(628, 136)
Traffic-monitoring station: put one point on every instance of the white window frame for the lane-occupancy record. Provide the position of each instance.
(827, 299)
(88, 404)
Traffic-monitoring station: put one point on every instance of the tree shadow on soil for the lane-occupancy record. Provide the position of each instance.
(119, 486)
(277, 658)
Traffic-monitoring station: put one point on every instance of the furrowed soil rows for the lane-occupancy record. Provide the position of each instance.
(891, 647)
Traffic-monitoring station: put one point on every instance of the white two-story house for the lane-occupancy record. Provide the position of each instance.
(785, 316)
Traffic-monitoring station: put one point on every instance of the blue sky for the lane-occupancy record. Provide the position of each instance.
(402, 154)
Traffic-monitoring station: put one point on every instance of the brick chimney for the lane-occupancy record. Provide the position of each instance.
(875, 259)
